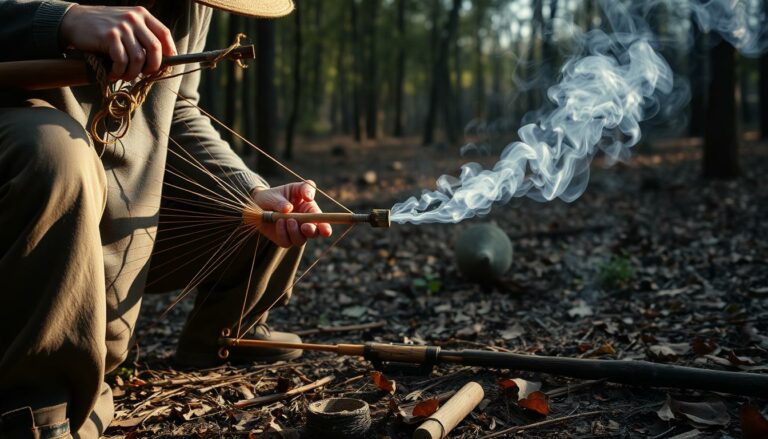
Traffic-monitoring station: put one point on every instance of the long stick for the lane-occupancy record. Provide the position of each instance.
(633, 373)
(44, 74)
(376, 218)
(266, 399)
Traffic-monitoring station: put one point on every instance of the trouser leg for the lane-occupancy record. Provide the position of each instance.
(246, 283)
(52, 312)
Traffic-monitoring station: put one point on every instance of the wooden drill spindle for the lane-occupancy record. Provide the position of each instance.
(377, 217)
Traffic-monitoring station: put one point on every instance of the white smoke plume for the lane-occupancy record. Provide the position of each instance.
(617, 82)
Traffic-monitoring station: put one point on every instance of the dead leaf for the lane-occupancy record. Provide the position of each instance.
(426, 408)
(739, 361)
(523, 387)
(702, 347)
(580, 310)
(513, 332)
(537, 401)
(662, 353)
(698, 414)
(753, 423)
(383, 383)
(606, 349)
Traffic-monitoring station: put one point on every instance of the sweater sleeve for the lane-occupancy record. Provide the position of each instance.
(30, 29)
(194, 136)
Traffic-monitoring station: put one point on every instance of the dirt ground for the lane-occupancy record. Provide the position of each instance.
(651, 263)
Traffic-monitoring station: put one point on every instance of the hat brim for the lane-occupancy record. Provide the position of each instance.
(253, 8)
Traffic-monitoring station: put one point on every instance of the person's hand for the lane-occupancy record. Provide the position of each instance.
(294, 197)
(133, 39)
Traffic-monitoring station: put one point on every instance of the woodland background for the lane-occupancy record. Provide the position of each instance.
(374, 99)
(447, 72)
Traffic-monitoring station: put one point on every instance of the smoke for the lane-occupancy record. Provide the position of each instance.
(614, 83)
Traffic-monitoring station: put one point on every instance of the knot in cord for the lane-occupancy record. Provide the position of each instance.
(121, 98)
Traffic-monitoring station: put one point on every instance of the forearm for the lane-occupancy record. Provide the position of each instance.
(30, 29)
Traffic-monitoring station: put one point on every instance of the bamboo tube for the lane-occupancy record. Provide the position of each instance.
(452, 413)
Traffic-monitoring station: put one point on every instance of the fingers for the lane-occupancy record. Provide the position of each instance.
(162, 34)
(294, 233)
(152, 48)
(321, 229)
(118, 55)
(136, 56)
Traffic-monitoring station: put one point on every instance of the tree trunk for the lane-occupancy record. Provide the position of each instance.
(356, 68)
(440, 90)
(697, 66)
(266, 97)
(400, 70)
(317, 62)
(764, 97)
(371, 76)
(721, 140)
(293, 118)
(479, 73)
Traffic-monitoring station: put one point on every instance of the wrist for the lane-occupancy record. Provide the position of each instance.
(68, 27)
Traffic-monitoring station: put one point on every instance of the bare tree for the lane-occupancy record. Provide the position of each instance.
(293, 118)
(440, 90)
(400, 69)
(371, 79)
(266, 96)
(721, 136)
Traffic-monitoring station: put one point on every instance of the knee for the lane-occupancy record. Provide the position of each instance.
(54, 150)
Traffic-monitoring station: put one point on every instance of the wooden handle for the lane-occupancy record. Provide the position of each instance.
(331, 218)
(43, 74)
(451, 413)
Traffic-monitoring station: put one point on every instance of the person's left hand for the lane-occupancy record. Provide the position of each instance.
(293, 197)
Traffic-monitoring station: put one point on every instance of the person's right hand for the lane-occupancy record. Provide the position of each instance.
(134, 39)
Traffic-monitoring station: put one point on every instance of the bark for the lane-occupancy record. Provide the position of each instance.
(440, 90)
(266, 96)
(764, 97)
(721, 141)
(296, 101)
(357, 55)
(479, 73)
(697, 66)
(371, 79)
(400, 70)
(317, 62)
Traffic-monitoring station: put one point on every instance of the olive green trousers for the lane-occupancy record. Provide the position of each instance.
(65, 317)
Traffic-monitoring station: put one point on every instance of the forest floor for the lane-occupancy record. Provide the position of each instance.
(651, 263)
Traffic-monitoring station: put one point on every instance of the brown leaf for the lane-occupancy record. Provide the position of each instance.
(753, 423)
(606, 349)
(383, 383)
(523, 387)
(702, 347)
(426, 408)
(699, 414)
(536, 401)
(739, 361)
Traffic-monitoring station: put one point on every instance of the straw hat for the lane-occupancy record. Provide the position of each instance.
(253, 8)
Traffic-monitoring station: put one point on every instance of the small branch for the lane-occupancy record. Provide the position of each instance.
(348, 328)
(546, 423)
(285, 395)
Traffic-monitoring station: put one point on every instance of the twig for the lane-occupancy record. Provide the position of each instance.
(347, 328)
(548, 422)
(560, 391)
(284, 395)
